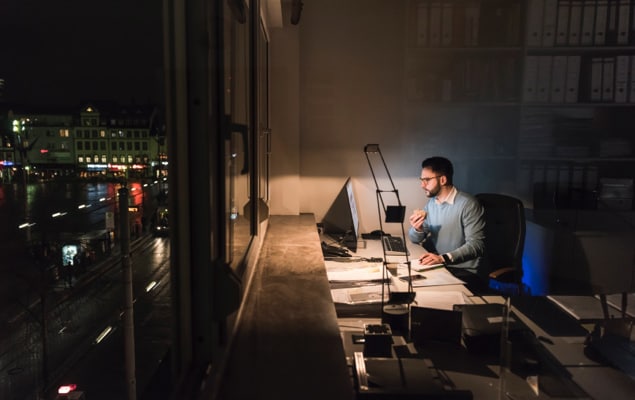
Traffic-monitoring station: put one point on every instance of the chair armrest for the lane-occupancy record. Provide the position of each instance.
(505, 274)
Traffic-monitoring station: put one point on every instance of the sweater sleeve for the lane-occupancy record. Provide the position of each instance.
(473, 221)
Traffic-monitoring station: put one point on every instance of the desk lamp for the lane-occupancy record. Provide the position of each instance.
(398, 302)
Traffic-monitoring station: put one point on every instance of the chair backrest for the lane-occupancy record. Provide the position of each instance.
(504, 232)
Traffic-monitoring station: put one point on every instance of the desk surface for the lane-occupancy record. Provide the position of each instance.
(567, 371)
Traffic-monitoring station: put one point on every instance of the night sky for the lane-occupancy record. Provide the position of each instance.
(65, 52)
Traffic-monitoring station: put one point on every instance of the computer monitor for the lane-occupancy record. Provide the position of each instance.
(341, 221)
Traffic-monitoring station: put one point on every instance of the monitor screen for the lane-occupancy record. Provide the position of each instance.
(341, 221)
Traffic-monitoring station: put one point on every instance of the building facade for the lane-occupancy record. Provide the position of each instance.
(97, 142)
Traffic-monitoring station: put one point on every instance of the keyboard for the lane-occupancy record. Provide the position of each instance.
(394, 244)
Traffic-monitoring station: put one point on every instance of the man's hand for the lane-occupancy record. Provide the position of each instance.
(430, 259)
(416, 220)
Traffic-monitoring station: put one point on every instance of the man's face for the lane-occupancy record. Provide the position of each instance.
(430, 182)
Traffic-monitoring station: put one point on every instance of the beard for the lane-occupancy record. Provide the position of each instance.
(433, 192)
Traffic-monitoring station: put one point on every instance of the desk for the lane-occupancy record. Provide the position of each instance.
(565, 370)
(356, 284)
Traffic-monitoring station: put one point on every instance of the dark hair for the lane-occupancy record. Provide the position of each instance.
(440, 165)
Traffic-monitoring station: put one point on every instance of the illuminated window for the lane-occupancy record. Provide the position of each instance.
(96, 158)
(104, 158)
(114, 159)
(88, 159)
(129, 159)
(102, 133)
(64, 133)
(80, 159)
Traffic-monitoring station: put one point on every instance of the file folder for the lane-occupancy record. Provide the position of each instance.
(422, 23)
(587, 33)
(611, 22)
(575, 23)
(544, 78)
(631, 79)
(534, 22)
(622, 65)
(596, 79)
(558, 78)
(530, 80)
(601, 19)
(562, 23)
(573, 79)
(623, 19)
(549, 23)
(608, 78)
(472, 22)
(446, 23)
(435, 24)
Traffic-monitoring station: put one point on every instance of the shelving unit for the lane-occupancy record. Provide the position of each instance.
(578, 100)
(517, 89)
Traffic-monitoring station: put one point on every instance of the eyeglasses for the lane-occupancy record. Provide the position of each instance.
(426, 180)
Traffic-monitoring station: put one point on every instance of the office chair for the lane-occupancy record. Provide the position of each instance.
(504, 242)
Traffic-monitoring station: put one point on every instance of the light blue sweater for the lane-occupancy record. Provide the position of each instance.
(457, 229)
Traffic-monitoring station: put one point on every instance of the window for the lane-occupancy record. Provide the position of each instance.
(136, 134)
(88, 159)
(79, 134)
(102, 145)
(129, 159)
(87, 145)
(80, 159)
(129, 146)
(64, 133)
(144, 146)
(80, 145)
(94, 133)
(137, 146)
(95, 145)
(104, 158)
(114, 159)
(113, 146)
(102, 133)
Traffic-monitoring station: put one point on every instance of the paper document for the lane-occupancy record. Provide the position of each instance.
(354, 271)
(432, 277)
(359, 295)
(441, 300)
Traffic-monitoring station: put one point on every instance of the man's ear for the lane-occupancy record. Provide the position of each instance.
(443, 180)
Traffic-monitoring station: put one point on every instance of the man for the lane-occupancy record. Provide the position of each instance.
(451, 226)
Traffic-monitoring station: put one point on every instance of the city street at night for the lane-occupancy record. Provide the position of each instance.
(59, 330)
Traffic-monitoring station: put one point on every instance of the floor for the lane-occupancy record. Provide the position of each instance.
(288, 344)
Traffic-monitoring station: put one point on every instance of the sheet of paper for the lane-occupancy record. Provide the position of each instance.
(354, 271)
(435, 277)
(359, 295)
(441, 300)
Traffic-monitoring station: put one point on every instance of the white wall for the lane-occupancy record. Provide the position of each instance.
(352, 90)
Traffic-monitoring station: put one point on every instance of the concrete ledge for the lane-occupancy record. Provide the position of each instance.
(287, 343)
